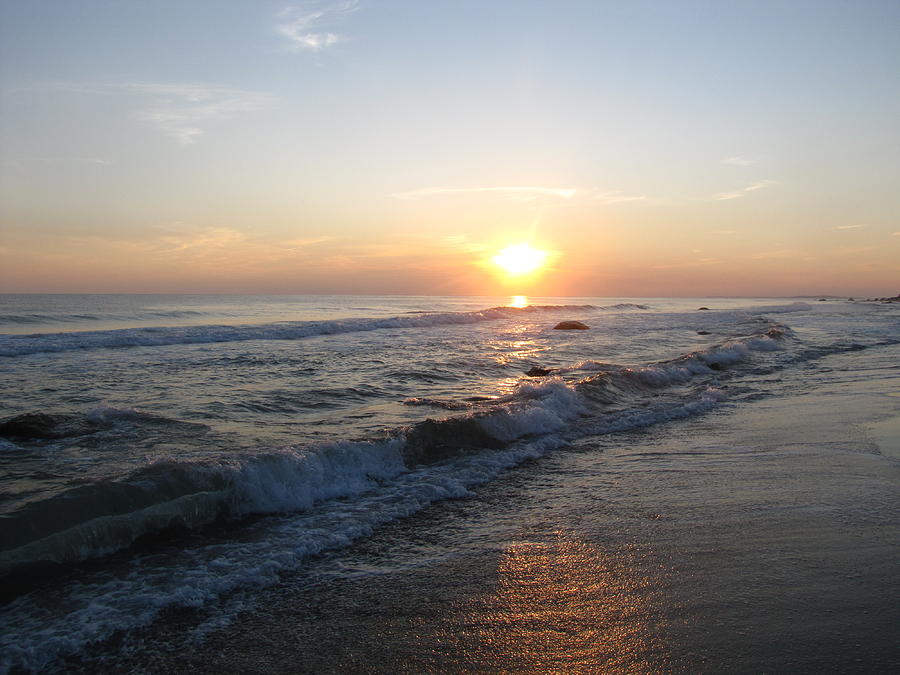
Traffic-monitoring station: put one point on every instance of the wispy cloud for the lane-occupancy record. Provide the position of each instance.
(462, 242)
(777, 254)
(100, 161)
(295, 244)
(759, 185)
(305, 25)
(616, 197)
(209, 239)
(523, 193)
(509, 191)
(737, 160)
(179, 110)
(742, 192)
(186, 243)
(854, 250)
(182, 110)
(895, 234)
(699, 262)
(848, 227)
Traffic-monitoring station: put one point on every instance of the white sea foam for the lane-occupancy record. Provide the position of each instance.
(94, 520)
(541, 408)
(37, 635)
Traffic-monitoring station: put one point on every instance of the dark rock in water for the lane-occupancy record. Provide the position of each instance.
(703, 332)
(46, 426)
(823, 300)
(703, 309)
(538, 372)
(716, 366)
(850, 300)
(570, 325)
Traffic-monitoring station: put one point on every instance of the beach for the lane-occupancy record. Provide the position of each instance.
(758, 540)
(723, 507)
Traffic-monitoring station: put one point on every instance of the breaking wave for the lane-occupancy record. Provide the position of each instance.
(100, 518)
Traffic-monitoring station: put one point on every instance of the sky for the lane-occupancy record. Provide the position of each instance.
(665, 148)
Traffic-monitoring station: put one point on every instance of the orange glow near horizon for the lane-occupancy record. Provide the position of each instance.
(520, 259)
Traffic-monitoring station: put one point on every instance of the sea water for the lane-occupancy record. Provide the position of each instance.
(204, 446)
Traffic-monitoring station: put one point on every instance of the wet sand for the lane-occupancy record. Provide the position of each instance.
(763, 538)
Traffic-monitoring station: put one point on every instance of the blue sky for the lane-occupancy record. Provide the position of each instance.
(652, 147)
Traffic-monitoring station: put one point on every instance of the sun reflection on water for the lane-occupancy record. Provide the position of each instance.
(566, 606)
(519, 301)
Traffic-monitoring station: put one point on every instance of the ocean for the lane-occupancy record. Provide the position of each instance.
(188, 463)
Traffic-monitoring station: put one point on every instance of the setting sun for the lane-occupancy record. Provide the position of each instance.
(520, 259)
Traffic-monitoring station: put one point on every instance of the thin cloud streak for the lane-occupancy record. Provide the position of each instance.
(777, 254)
(848, 227)
(617, 197)
(700, 262)
(185, 244)
(302, 25)
(522, 192)
(737, 194)
(737, 161)
(510, 191)
(179, 110)
(71, 160)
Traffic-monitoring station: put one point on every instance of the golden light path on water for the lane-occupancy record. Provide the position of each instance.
(563, 605)
(519, 301)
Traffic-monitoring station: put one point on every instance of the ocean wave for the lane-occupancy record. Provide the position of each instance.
(20, 345)
(103, 517)
(340, 491)
(781, 309)
(100, 518)
(335, 492)
(62, 317)
(42, 426)
(38, 636)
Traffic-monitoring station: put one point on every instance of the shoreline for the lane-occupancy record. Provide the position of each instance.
(761, 538)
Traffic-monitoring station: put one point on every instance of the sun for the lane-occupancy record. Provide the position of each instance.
(520, 259)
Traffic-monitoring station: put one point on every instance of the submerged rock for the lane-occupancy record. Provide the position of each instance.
(570, 325)
(538, 372)
(46, 426)
(703, 332)
(703, 309)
